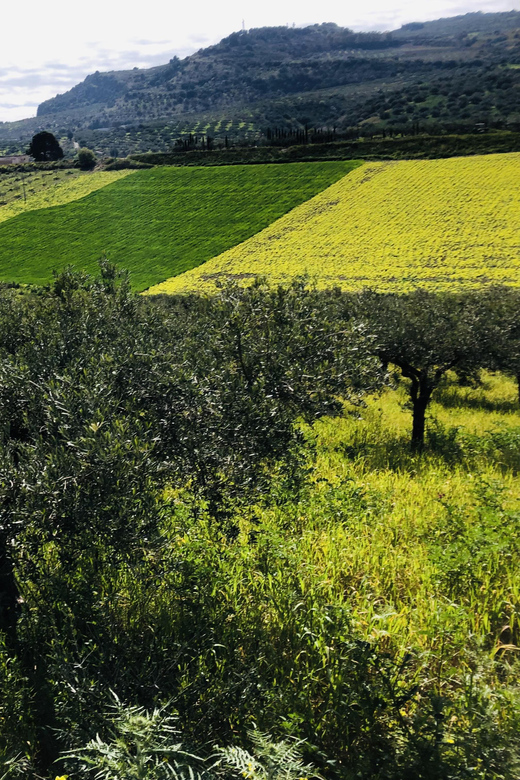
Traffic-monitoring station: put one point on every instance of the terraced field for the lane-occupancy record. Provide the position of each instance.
(44, 189)
(158, 222)
(439, 224)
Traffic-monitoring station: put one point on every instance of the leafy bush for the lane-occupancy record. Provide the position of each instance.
(86, 158)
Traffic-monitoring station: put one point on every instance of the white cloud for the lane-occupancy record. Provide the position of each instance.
(49, 53)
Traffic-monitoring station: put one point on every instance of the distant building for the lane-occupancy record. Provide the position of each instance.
(15, 159)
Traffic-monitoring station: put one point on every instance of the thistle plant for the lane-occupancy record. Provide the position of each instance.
(269, 761)
(16, 767)
(143, 746)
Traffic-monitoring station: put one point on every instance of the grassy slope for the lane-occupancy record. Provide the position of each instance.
(414, 551)
(159, 222)
(430, 511)
(378, 519)
(392, 225)
(49, 188)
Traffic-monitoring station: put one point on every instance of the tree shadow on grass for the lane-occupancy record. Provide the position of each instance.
(378, 449)
(454, 396)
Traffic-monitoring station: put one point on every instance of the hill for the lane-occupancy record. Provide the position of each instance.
(258, 84)
(476, 22)
(158, 222)
(439, 224)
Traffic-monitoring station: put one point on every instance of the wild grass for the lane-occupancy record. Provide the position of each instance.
(419, 553)
(394, 578)
(377, 616)
(433, 547)
(158, 222)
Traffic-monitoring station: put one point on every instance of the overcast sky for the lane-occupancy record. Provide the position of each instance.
(47, 48)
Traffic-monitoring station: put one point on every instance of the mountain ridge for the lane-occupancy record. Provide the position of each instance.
(463, 69)
(288, 43)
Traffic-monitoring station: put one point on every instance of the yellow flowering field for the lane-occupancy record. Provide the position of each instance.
(391, 225)
(45, 189)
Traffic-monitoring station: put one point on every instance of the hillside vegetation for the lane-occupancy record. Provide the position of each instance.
(441, 224)
(271, 63)
(157, 222)
(215, 528)
(256, 85)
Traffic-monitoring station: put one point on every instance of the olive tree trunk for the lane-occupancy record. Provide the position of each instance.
(421, 393)
(9, 597)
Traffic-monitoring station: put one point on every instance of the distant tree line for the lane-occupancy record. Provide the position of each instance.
(288, 135)
(193, 141)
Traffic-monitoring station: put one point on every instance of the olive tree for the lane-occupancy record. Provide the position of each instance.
(425, 334)
(106, 398)
(499, 312)
(261, 359)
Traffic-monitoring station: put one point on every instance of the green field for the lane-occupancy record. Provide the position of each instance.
(394, 226)
(160, 222)
(21, 192)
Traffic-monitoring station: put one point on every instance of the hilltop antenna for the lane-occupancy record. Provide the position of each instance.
(243, 26)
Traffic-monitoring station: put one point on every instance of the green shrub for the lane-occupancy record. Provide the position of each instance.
(86, 158)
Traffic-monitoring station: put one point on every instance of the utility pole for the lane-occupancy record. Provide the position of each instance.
(23, 188)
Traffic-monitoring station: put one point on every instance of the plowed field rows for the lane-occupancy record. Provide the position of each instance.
(392, 225)
(157, 222)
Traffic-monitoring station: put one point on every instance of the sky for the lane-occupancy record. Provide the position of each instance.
(47, 48)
